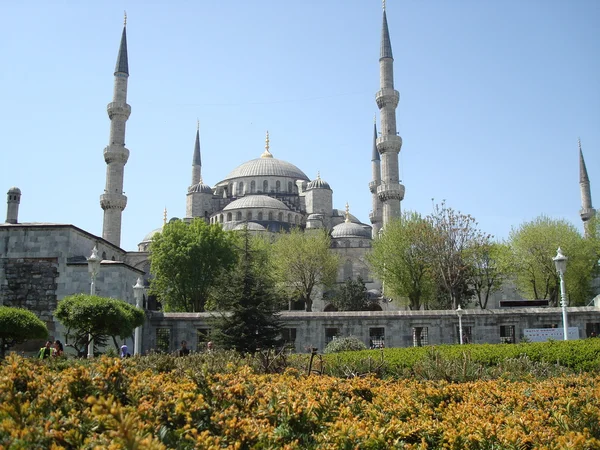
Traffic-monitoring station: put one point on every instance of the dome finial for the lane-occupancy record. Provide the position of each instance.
(383, 4)
(124, 18)
(318, 174)
(197, 124)
(347, 213)
(579, 143)
(266, 153)
(165, 216)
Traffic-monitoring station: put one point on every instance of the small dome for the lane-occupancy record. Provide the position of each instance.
(256, 201)
(318, 184)
(201, 188)
(252, 226)
(150, 235)
(14, 190)
(350, 230)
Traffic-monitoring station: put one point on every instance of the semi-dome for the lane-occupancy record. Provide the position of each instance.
(252, 226)
(201, 188)
(267, 167)
(350, 230)
(256, 201)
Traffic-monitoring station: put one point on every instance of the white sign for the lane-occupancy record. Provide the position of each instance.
(545, 334)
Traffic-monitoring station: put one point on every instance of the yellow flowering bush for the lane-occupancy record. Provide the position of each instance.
(122, 404)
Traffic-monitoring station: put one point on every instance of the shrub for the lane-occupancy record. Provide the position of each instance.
(345, 344)
(17, 325)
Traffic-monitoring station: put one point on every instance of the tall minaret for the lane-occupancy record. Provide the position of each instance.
(376, 212)
(113, 201)
(587, 211)
(390, 192)
(196, 160)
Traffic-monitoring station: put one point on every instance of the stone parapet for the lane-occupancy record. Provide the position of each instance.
(118, 109)
(387, 97)
(390, 192)
(113, 201)
(117, 153)
(389, 143)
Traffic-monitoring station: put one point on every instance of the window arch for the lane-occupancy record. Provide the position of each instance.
(290, 188)
(252, 186)
(270, 215)
(221, 218)
(228, 217)
(238, 216)
(260, 216)
(280, 217)
(230, 189)
(265, 186)
(296, 220)
(277, 186)
(290, 218)
(249, 215)
(240, 188)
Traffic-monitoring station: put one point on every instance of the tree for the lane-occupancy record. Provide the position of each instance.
(489, 262)
(345, 344)
(248, 301)
(455, 235)
(303, 261)
(401, 259)
(185, 262)
(351, 296)
(533, 246)
(90, 317)
(18, 325)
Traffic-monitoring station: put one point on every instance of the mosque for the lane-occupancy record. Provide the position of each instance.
(41, 263)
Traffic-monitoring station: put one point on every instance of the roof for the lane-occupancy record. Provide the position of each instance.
(256, 201)
(122, 65)
(200, 187)
(349, 229)
(318, 184)
(267, 167)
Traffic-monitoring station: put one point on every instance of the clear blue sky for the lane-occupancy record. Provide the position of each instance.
(493, 96)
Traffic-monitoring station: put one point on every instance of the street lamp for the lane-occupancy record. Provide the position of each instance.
(560, 261)
(459, 313)
(138, 293)
(93, 268)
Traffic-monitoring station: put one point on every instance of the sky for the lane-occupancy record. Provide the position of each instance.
(493, 97)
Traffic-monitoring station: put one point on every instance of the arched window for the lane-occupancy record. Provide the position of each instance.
(228, 217)
(249, 215)
(277, 186)
(240, 189)
(252, 186)
(238, 216)
(260, 216)
(270, 215)
(103, 255)
(289, 218)
(221, 218)
(265, 186)
(347, 269)
(290, 188)
(296, 220)
(280, 217)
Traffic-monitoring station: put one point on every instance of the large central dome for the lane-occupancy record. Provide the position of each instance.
(267, 167)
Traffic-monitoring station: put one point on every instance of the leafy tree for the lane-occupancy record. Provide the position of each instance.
(303, 261)
(455, 235)
(185, 262)
(352, 296)
(345, 344)
(489, 262)
(248, 302)
(535, 243)
(18, 325)
(401, 258)
(86, 316)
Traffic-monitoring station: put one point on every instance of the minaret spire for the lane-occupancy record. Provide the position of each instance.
(390, 191)
(113, 202)
(587, 211)
(197, 161)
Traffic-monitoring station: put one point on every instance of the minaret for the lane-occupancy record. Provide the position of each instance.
(376, 212)
(196, 160)
(113, 201)
(13, 199)
(587, 211)
(390, 192)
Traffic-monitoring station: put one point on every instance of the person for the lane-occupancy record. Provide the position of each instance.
(184, 351)
(124, 351)
(46, 351)
(593, 334)
(58, 349)
(209, 346)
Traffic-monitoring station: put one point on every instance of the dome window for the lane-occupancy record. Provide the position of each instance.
(249, 215)
(228, 217)
(270, 215)
(290, 187)
(260, 216)
(238, 216)
(280, 217)
(252, 187)
(277, 186)
(265, 186)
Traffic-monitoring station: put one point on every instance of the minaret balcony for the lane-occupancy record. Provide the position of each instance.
(116, 153)
(587, 213)
(373, 186)
(390, 192)
(118, 109)
(389, 143)
(375, 217)
(387, 97)
(113, 201)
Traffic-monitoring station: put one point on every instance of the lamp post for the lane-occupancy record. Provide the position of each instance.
(459, 313)
(138, 293)
(93, 268)
(560, 261)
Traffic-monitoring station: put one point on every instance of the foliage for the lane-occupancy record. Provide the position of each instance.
(18, 325)
(490, 264)
(345, 344)
(401, 258)
(249, 321)
(351, 296)
(455, 237)
(112, 403)
(186, 259)
(302, 261)
(86, 316)
(535, 243)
